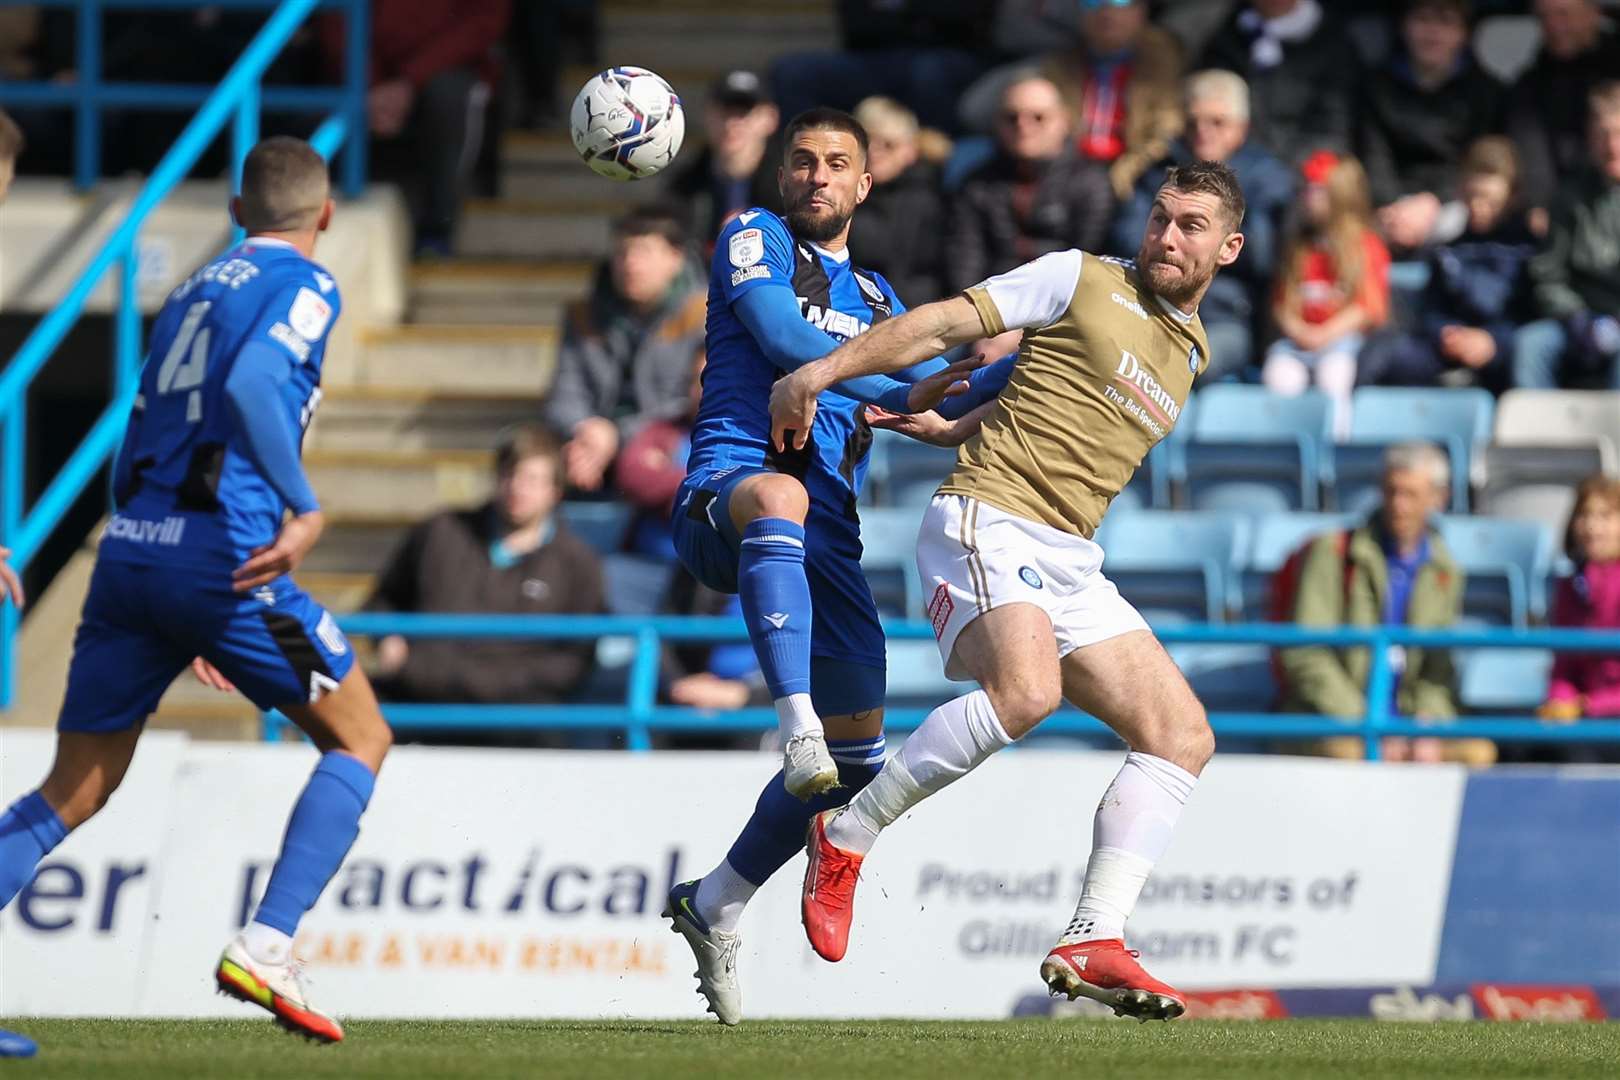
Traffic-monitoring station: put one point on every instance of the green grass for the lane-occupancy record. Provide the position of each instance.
(889, 1050)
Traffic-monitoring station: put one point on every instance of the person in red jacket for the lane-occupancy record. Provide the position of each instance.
(1588, 684)
(432, 70)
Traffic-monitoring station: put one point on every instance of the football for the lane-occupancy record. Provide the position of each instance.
(627, 123)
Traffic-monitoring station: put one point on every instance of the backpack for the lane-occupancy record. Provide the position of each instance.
(1283, 591)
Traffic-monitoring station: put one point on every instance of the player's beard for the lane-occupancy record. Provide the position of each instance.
(817, 229)
(1180, 289)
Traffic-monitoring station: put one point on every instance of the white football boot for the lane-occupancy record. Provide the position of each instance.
(715, 950)
(808, 768)
(276, 988)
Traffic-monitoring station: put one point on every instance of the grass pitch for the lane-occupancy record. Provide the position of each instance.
(888, 1050)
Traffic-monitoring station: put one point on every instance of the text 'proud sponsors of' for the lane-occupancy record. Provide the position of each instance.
(530, 884)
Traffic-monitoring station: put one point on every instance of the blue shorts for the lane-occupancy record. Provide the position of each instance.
(844, 629)
(142, 626)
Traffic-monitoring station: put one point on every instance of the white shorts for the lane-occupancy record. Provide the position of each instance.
(973, 557)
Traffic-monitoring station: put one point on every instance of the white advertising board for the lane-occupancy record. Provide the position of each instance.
(509, 883)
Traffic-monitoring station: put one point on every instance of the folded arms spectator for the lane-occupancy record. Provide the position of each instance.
(511, 556)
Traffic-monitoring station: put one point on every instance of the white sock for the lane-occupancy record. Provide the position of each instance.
(266, 944)
(721, 897)
(1134, 822)
(795, 716)
(952, 741)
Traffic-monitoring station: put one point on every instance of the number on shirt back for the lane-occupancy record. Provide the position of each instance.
(186, 363)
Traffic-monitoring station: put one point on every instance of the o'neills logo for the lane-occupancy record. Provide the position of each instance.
(166, 532)
(1154, 397)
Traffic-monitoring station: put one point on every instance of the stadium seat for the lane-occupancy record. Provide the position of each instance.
(889, 558)
(1252, 451)
(635, 584)
(1458, 419)
(1175, 565)
(1507, 563)
(1560, 418)
(917, 677)
(1274, 538)
(600, 524)
(1228, 678)
(905, 472)
(1536, 482)
(1502, 680)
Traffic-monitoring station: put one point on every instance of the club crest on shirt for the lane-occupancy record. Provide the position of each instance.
(1192, 360)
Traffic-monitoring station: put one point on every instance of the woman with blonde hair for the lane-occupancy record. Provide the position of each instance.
(1333, 286)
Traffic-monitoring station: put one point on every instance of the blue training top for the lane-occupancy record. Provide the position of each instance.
(209, 463)
(757, 252)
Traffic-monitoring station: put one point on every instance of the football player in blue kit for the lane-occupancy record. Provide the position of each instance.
(213, 513)
(780, 528)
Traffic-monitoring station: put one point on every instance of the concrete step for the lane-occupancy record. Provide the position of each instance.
(370, 483)
(483, 291)
(384, 419)
(722, 35)
(540, 228)
(358, 543)
(492, 360)
(336, 590)
(544, 165)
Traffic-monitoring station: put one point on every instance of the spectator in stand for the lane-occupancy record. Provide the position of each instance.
(651, 467)
(511, 556)
(626, 356)
(1393, 570)
(1333, 286)
(432, 69)
(1476, 294)
(1121, 81)
(1035, 196)
(1547, 108)
(1586, 685)
(902, 226)
(1577, 277)
(919, 52)
(1418, 114)
(734, 170)
(1301, 69)
(1218, 130)
(11, 148)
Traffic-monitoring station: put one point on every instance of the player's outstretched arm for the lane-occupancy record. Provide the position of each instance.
(931, 427)
(890, 346)
(10, 584)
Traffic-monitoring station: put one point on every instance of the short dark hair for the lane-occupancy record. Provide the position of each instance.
(822, 118)
(11, 138)
(1211, 178)
(653, 220)
(1462, 9)
(284, 186)
(525, 441)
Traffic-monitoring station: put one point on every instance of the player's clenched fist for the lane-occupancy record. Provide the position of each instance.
(10, 585)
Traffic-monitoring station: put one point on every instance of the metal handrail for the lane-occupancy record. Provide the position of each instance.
(640, 715)
(236, 100)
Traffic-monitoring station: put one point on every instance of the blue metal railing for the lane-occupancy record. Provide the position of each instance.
(237, 100)
(88, 95)
(640, 715)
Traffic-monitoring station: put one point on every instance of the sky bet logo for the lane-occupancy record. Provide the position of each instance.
(536, 886)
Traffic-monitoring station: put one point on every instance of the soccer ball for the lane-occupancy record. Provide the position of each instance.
(627, 123)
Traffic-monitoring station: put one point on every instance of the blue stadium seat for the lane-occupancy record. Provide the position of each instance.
(1228, 678)
(1274, 538)
(635, 584)
(1507, 563)
(905, 472)
(1502, 680)
(1175, 565)
(1252, 451)
(600, 524)
(1458, 419)
(917, 677)
(889, 558)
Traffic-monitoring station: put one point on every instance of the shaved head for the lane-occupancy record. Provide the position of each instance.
(284, 187)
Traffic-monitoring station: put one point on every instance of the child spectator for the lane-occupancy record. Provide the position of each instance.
(1476, 291)
(1333, 288)
(1588, 685)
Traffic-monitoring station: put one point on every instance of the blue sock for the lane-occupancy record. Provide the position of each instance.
(324, 823)
(29, 831)
(776, 603)
(776, 831)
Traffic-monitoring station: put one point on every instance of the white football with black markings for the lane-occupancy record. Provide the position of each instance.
(627, 123)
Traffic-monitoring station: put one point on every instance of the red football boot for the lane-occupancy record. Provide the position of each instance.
(828, 905)
(1106, 971)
